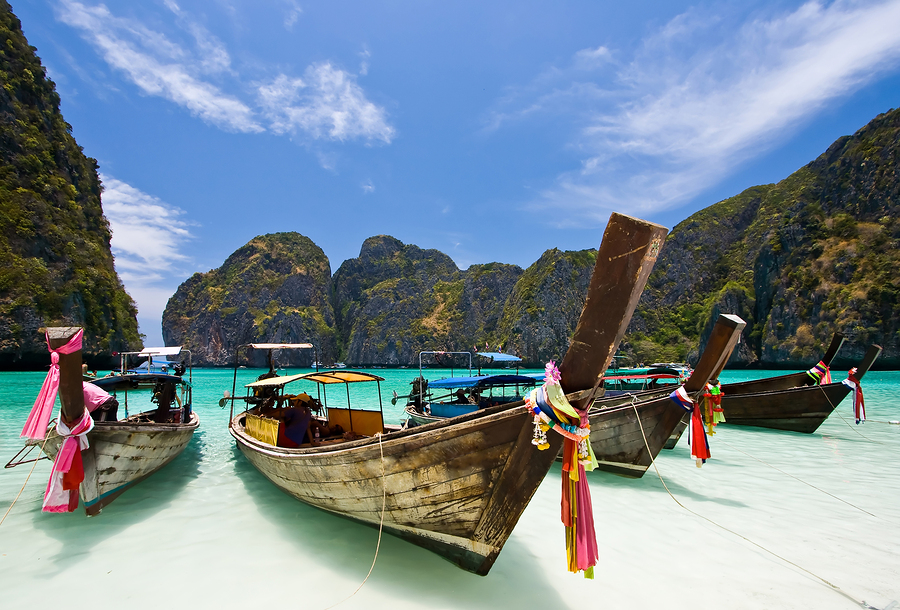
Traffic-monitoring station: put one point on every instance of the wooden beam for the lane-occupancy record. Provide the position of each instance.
(625, 258)
(721, 343)
(70, 378)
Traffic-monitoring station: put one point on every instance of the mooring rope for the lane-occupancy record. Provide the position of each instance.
(16, 499)
(834, 409)
(833, 586)
(719, 440)
(380, 526)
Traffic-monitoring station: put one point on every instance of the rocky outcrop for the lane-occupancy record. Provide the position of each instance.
(276, 288)
(540, 314)
(56, 267)
(396, 300)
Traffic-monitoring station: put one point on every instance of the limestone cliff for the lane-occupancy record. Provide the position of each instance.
(395, 300)
(274, 289)
(56, 267)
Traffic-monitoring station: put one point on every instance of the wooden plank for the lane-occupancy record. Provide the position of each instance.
(70, 377)
(624, 261)
(721, 343)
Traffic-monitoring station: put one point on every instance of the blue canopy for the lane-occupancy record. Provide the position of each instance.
(482, 382)
(499, 357)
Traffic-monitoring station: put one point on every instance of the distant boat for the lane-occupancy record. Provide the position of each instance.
(338, 365)
(124, 452)
(797, 402)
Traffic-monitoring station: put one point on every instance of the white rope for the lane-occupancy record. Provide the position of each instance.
(25, 483)
(380, 526)
(834, 587)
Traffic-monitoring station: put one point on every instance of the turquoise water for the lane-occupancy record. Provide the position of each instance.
(208, 530)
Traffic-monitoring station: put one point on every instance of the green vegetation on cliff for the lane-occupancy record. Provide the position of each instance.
(273, 289)
(57, 268)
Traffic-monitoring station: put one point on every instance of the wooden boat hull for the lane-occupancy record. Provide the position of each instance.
(456, 487)
(616, 437)
(122, 454)
(797, 409)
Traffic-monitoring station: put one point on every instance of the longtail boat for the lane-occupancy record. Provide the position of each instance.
(121, 452)
(459, 487)
(797, 402)
(618, 436)
(781, 406)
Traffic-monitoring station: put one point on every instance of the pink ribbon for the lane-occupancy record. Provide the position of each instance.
(67, 473)
(36, 425)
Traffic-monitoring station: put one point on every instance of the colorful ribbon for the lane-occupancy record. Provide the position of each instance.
(551, 409)
(697, 438)
(36, 424)
(859, 405)
(67, 473)
(820, 373)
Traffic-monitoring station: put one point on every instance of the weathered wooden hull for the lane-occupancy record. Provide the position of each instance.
(797, 409)
(122, 454)
(616, 436)
(456, 487)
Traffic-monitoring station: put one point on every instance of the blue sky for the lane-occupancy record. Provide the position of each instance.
(490, 131)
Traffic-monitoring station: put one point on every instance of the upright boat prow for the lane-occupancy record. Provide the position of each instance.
(628, 432)
(459, 486)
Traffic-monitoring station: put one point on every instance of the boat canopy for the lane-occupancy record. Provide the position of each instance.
(281, 345)
(274, 382)
(131, 380)
(341, 376)
(499, 357)
(485, 381)
(654, 372)
(160, 351)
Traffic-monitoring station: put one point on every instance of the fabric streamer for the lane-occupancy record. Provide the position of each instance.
(859, 405)
(67, 473)
(713, 413)
(820, 373)
(697, 438)
(36, 424)
(552, 410)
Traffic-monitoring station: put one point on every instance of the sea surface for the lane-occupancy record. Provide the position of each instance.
(780, 513)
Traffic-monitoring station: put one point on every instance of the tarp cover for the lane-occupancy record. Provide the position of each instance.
(484, 381)
(498, 357)
(281, 345)
(273, 382)
(341, 376)
(160, 351)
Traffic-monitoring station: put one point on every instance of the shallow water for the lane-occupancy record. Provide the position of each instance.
(208, 530)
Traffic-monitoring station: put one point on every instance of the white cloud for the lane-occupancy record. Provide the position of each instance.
(161, 67)
(325, 104)
(147, 235)
(292, 15)
(146, 232)
(368, 187)
(702, 96)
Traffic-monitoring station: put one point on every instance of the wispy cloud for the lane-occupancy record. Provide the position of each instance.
(292, 14)
(147, 237)
(326, 104)
(159, 66)
(146, 232)
(703, 95)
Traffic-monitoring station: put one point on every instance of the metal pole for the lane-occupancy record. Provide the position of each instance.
(349, 410)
